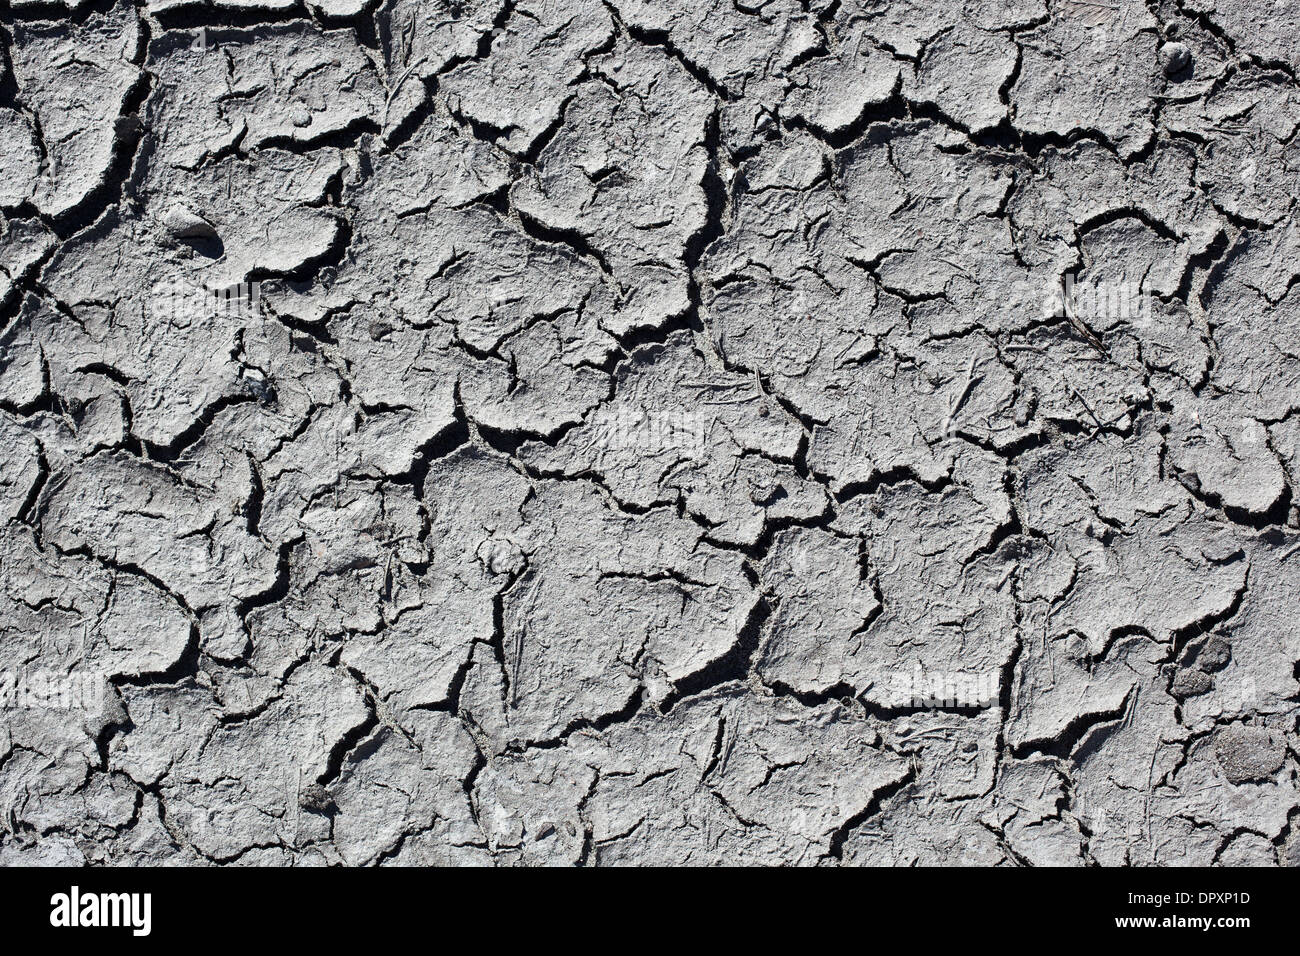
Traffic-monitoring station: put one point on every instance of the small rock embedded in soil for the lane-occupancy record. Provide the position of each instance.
(316, 798)
(183, 224)
(1249, 754)
(1174, 57)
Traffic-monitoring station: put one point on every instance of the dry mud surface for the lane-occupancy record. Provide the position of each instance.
(628, 432)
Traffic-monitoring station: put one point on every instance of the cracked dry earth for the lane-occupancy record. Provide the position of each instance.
(629, 413)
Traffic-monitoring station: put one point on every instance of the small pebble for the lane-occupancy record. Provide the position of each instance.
(1249, 753)
(127, 127)
(316, 797)
(1215, 655)
(1174, 58)
(183, 224)
(1191, 683)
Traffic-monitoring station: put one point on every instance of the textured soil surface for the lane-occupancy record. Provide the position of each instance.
(649, 431)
